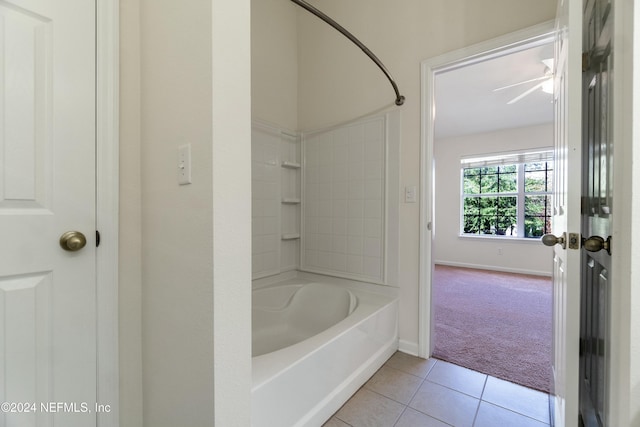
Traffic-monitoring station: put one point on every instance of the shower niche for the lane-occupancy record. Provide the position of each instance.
(327, 201)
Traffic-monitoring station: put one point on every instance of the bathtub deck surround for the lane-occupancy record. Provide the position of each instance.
(412, 392)
(334, 337)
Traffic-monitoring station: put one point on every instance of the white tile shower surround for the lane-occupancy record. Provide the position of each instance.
(266, 194)
(412, 392)
(344, 196)
(275, 190)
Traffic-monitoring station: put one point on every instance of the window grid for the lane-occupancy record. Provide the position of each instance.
(507, 200)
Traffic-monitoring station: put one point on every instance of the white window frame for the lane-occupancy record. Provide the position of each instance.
(519, 159)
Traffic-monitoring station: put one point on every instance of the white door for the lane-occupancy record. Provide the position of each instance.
(566, 213)
(47, 187)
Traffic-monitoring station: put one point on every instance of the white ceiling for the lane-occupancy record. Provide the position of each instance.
(466, 102)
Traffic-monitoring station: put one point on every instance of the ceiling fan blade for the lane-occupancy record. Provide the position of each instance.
(522, 95)
(521, 83)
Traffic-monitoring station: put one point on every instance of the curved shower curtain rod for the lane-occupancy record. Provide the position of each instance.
(347, 34)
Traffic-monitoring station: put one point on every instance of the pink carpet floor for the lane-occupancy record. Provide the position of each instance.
(495, 323)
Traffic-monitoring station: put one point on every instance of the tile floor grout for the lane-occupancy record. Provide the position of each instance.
(426, 380)
(346, 414)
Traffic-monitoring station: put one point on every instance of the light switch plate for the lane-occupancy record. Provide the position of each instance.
(410, 194)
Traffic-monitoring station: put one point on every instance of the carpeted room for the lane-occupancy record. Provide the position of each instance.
(494, 322)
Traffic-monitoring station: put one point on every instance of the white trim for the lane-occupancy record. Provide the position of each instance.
(520, 194)
(494, 268)
(107, 209)
(504, 45)
(509, 157)
(624, 376)
(505, 239)
(408, 347)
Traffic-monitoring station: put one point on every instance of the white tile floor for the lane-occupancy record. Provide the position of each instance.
(412, 392)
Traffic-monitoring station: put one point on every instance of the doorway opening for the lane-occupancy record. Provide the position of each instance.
(487, 171)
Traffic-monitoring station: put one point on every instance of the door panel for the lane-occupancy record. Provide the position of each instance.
(47, 187)
(26, 41)
(597, 213)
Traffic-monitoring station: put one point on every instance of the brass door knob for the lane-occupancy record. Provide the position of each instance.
(597, 243)
(72, 241)
(551, 240)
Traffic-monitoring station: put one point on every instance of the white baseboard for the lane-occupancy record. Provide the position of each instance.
(408, 347)
(494, 268)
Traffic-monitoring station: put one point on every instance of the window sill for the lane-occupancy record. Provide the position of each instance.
(532, 240)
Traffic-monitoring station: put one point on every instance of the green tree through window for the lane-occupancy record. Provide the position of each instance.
(507, 200)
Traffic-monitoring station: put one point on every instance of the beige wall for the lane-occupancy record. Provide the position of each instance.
(177, 228)
(337, 81)
(184, 293)
(274, 62)
(448, 247)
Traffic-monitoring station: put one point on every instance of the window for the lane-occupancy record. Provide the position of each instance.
(507, 195)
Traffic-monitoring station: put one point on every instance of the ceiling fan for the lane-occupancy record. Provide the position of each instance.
(546, 82)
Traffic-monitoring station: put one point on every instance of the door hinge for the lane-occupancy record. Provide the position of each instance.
(97, 238)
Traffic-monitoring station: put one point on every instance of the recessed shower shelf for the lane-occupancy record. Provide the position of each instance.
(291, 236)
(290, 165)
(291, 201)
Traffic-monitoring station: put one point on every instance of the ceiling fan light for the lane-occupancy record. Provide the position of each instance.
(547, 86)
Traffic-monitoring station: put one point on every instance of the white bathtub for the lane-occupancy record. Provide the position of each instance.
(315, 344)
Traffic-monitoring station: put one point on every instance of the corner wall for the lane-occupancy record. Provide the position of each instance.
(196, 259)
(337, 82)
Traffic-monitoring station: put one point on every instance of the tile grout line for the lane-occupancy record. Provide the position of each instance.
(426, 379)
(412, 396)
(514, 412)
(336, 417)
(405, 406)
(484, 386)
(386, 397)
